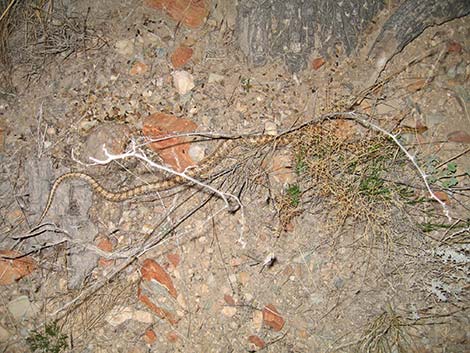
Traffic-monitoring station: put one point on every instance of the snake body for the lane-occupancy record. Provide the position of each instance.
(199, 171)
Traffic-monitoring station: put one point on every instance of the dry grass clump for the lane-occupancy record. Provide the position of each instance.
(354, 171)
(34, 33)
(387, 333)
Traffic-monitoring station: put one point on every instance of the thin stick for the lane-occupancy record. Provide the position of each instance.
(134, 152)
(7, 10)
(358, 117)
(452, 158)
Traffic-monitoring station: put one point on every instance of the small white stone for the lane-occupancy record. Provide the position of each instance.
(87, 125)
(181, 301)
(147, 229)
(196, 152)
(142, 316)
(125, 47)
(229, 311)
(270, 128)
(118, 315)
(257, 319)
(183, 81)
(147, 93)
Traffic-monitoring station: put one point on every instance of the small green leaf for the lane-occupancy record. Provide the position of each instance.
(431, 179)
(450, 182)
(294, 193)
(452, 167)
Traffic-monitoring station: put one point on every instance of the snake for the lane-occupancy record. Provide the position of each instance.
(199, 171)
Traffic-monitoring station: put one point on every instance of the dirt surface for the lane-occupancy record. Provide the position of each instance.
(319, 258)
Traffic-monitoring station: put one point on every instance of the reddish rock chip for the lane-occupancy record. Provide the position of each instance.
(454, 47)
(317, 63)
(153, 271)
(172, 336)
(272, 318)
(459, 136)
(181, 56)
(160, 312)
(229, 299)
(174, 259)
(150, 336)
(441, 195)
(106, 245)
(173, 151)
(257, 341)
(12, 270)
(138, 68)
(190, 12)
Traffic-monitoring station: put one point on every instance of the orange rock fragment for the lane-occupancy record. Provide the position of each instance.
(12, 270)
(317, 63)
(272, 318)
(441, 195)
(229, 299)
(181, 56)
(257, 341)
(174, 259)
(138, 68)
(190, 12)
(106, 245)
(173, 151)
(150, 336)
(153, 271)
(161, 313)
(172, 336)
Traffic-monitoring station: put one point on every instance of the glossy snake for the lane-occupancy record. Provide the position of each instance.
(199, 171)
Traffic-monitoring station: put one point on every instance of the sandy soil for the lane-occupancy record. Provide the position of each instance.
(291, 271)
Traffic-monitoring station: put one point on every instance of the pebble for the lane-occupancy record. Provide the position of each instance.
(120, 314)
(113, 136)
(125, 47)
(87, 125)
(21, 307)
(183, 82)
(257, 321)
(229, 311)
(196, 152)
(270, 128)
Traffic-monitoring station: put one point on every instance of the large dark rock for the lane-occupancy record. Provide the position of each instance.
(292, 29)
